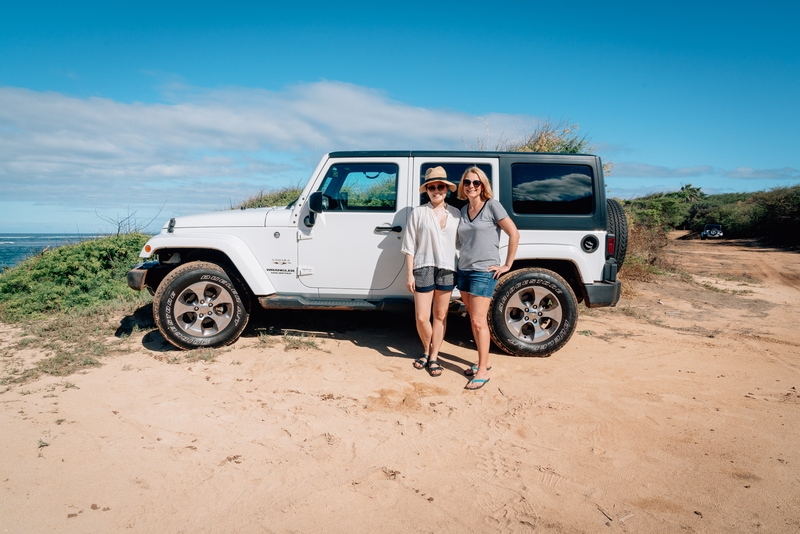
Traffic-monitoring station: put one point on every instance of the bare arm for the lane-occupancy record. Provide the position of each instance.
(410, 285)
(508, 226)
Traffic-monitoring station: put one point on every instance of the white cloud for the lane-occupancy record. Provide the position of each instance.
(57, 149)
(747, 173)
(644, 170)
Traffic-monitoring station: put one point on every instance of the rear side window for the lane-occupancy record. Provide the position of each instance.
(550, 189)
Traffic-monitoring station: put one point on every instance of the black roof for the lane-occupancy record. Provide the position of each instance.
(439, 153)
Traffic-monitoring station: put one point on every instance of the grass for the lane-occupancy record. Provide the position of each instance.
(68, 342)
(66, 302)
(716, 289)
(268, 338)
(75, 277)
(302, 342)
(205, 355)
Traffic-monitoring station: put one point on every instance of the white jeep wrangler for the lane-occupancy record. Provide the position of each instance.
(338, 247)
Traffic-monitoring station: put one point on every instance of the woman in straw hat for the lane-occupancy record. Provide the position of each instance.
(430, 249)
(479, 267)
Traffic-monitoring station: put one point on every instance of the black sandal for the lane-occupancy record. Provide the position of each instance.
(434, 369)
(421, 362)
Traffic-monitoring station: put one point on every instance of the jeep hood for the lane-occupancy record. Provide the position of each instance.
(223, 219)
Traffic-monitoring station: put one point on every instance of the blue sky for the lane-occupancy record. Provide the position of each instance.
(110, 109)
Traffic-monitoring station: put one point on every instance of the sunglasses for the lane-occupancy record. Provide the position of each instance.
(473, 183)
(437, 187)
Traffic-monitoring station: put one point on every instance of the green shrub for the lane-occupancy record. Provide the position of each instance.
(778, 214)
(773, 215)
(562, 137)
(657, 211)
(71, 277)
(278, 197)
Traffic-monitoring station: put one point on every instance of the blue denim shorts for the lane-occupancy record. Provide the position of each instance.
(476, 283)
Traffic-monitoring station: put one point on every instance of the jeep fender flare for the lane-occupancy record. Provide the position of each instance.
(547, 251)
(232, 246)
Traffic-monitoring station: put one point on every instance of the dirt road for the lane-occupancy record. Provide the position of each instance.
(677, 411)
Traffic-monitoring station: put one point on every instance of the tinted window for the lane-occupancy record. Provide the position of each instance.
(361, 187)
(454, 172)
(539, 188)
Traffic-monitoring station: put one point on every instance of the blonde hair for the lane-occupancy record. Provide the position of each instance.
(486, 190)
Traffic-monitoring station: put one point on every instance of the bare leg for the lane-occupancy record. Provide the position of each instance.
(478, 316)
(467, 298)
(441, 302)
(422, 308)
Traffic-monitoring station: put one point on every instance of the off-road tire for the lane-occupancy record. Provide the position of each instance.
(617, 225)
(199, 304)
(533, 313)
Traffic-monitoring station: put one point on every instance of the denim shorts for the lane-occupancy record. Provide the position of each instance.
(476, 283)
(426, 279)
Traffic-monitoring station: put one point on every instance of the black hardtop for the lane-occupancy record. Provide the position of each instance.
(449, 154)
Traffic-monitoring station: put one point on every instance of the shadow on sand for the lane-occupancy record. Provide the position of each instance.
(391, 334)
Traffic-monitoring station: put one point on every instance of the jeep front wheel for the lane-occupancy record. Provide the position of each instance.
(533, 313)
(200, 305)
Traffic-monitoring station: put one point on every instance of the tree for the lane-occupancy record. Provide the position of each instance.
(689, 194)
(548, 137)
(561, 137)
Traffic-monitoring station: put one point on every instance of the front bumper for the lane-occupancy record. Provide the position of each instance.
(147, 275)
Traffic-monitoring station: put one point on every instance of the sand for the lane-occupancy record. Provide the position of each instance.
(677, 411)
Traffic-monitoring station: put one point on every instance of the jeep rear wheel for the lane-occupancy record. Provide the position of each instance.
(199, 304)
(617, 225)
(533, 313)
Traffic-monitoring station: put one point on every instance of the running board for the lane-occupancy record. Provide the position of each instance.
(289, 302)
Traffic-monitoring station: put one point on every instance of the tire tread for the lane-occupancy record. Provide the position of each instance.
(180, 271)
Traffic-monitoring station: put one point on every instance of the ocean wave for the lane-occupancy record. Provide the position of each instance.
(48, 237)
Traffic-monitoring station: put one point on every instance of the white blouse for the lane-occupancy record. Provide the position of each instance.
(428, 243)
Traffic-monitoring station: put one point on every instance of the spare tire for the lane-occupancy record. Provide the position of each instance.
(618, 225)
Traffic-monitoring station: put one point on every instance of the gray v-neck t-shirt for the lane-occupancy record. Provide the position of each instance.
(479, 238)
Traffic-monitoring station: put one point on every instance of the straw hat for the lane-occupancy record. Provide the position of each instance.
(434, 175)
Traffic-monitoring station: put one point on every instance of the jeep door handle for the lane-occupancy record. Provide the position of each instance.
(387, 229)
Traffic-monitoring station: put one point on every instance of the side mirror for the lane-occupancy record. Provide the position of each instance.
(316, 204)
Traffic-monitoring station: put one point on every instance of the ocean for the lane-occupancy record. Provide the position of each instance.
(16, 247)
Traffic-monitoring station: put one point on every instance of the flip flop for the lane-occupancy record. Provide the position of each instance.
(421, 362)
(476, 381)
(474, 369)
(434, 369)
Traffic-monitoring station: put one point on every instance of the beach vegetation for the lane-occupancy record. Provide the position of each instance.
(70, 278)
(66, 301)
(282, 196)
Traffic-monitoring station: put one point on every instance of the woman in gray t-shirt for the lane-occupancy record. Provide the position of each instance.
(479, 265)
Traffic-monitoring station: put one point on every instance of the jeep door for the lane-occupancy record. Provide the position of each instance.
(353, 249)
